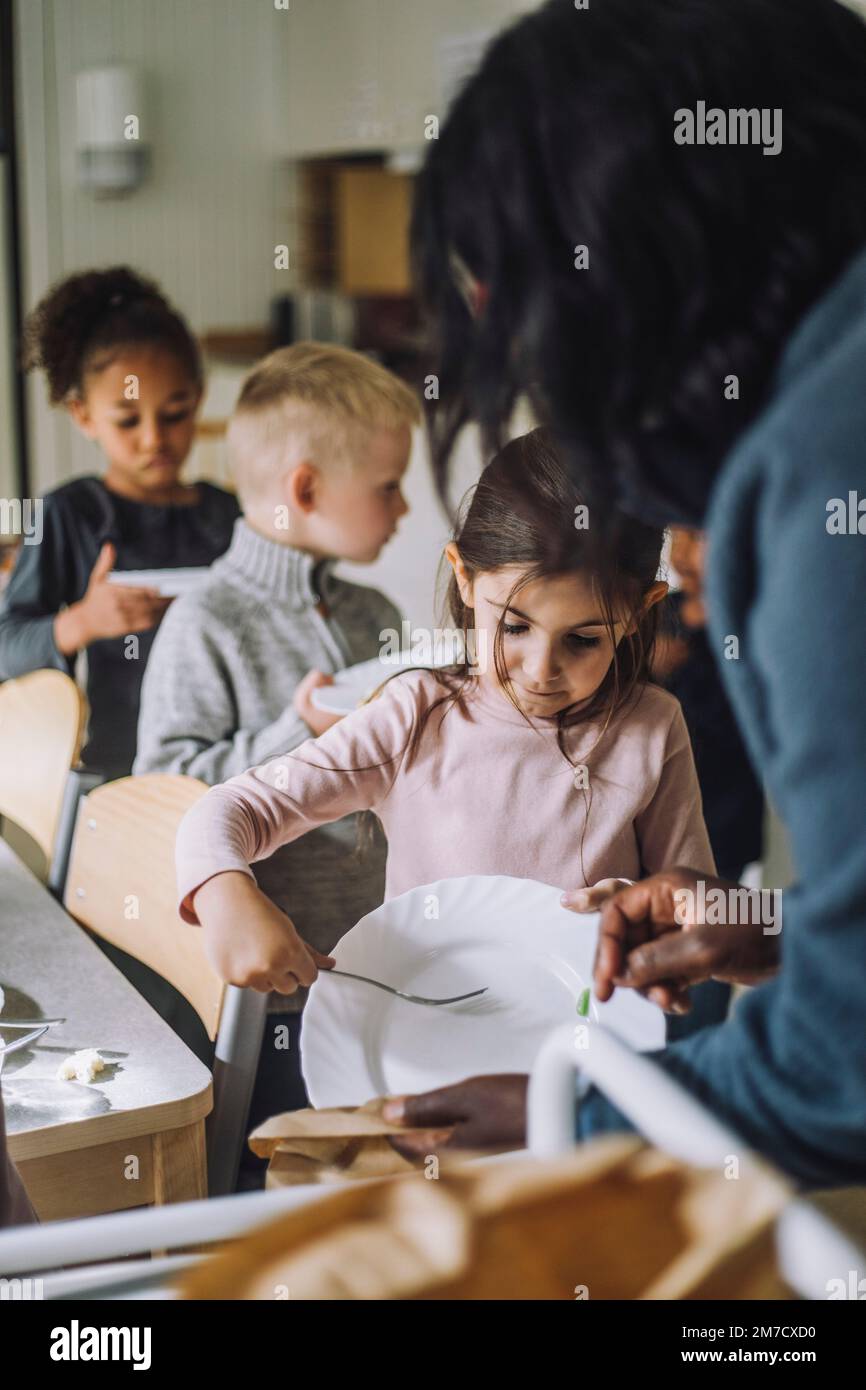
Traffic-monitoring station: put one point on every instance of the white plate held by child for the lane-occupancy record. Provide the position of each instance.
(459, 934)
(352, 686)
(169, 582)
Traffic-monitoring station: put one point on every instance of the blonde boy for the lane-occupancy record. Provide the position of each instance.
(320, 441)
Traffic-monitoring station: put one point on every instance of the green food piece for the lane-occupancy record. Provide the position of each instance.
(583, 1003)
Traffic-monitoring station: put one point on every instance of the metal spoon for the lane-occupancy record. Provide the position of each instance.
(29, 1022)
(6, 1048)
(412, 998)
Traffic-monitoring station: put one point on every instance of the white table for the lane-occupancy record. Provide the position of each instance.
(133, 1137)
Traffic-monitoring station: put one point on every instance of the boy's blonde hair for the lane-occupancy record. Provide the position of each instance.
(310, 401)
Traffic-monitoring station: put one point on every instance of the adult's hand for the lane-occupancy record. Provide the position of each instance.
(643, 944)
(653, 939)
(484, 1112)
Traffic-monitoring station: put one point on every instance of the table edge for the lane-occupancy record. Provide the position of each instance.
(110, 1127)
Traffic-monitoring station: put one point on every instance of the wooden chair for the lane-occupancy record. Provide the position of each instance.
(121, 885)
(42, 718)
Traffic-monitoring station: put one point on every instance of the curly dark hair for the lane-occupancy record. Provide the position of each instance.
(702, 258)
(84, 320)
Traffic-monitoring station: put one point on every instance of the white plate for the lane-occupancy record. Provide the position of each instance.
(356, 683)
(510, 934)
(169, 582)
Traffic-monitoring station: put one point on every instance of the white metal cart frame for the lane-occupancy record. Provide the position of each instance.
(812, 1250)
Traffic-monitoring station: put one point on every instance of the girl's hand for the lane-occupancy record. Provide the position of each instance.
(594, 898)
(249, 941)
(481, 1113)
(107, 610)
(645, 944)
(319, 720)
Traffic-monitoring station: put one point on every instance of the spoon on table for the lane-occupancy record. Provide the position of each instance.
(6, 1048)
(29, 1022)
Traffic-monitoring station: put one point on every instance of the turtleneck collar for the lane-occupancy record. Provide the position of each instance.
(292, 576)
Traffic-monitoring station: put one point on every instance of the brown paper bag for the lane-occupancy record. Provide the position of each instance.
(336, 1145)
(615, 1219)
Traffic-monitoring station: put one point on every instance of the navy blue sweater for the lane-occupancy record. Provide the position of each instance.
(788, 1070)
(77, 519)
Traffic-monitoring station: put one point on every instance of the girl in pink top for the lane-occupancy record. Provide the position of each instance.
(555, 760)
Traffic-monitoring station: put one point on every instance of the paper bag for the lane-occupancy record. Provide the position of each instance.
(337, 1145)
(615, 1219)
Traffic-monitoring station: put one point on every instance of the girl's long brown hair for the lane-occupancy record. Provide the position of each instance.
(522, 513)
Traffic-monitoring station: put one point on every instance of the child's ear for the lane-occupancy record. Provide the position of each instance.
(301, 487)
(464, 583)
(654, 594)
(80, 416)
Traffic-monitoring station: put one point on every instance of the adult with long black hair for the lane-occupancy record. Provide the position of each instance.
(651, 220)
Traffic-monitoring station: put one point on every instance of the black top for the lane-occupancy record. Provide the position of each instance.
(732, 795)
(77, 519)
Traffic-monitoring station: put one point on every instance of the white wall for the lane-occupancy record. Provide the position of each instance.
(369, 72)
(206, 222)
(407, 568)
(234, 88)
(8, 466)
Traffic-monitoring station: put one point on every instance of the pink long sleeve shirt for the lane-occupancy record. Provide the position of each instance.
(484, 793)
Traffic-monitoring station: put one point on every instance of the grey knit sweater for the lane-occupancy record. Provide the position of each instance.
(217, 700)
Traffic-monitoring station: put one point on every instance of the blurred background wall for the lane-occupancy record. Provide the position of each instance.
(295, 123)
(266, 124)
(263, 127)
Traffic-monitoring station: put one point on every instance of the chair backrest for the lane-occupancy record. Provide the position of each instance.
(42, 717)
(121, 882)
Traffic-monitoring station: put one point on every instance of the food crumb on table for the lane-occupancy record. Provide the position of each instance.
(81, 1066)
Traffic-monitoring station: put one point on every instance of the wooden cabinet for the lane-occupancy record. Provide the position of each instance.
(373, 210)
